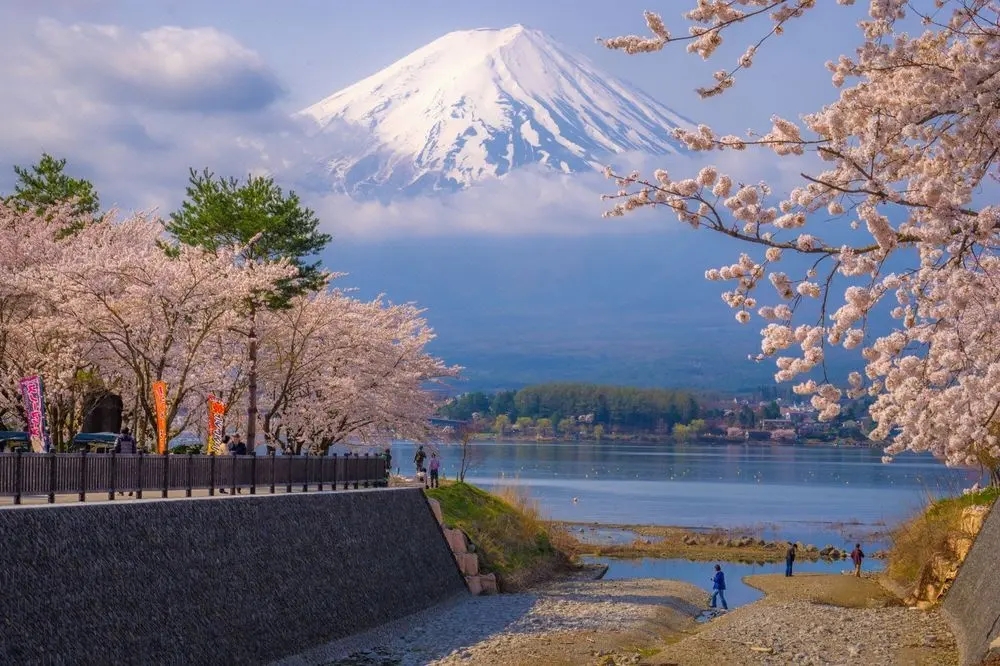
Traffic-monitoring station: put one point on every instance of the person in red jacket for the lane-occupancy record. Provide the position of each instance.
(857, 555)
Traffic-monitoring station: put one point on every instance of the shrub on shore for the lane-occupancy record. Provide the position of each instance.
(511, 538)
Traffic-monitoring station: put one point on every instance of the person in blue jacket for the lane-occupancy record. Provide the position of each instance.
(719, 588)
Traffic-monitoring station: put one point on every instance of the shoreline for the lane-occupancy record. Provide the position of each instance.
(705, 544)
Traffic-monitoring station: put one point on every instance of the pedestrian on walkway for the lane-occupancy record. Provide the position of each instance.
(790, 559)
(857, 555)
(719, 588)
(435, 465)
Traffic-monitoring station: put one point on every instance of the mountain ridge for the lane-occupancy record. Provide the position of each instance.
(476, 104)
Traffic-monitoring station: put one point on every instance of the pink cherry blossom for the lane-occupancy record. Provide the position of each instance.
(908, 150)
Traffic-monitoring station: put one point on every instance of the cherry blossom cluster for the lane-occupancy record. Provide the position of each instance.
(909, 151)
(116, 307)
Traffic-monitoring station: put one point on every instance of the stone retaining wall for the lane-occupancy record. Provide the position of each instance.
(222, 580)
(972, 604)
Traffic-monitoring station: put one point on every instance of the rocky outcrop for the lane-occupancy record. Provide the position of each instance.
(940, 572)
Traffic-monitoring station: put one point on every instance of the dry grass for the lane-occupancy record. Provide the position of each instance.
(918, 541)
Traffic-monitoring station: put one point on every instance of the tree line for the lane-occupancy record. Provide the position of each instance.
(621, 408)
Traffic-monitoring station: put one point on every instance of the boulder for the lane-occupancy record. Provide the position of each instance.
(474, 584)
(468, 563)
(488, 583)
(973, 518)
(456, 540)
(436, 508)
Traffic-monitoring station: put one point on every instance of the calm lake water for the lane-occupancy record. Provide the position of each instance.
(821, 495)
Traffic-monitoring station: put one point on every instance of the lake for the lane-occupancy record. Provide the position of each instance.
(821, 495)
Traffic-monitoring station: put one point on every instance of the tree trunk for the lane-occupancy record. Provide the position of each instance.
(252, 384)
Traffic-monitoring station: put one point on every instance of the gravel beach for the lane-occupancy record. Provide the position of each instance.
(571, 622)
(807, 619)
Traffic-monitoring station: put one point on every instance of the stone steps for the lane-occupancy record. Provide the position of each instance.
(468, 562)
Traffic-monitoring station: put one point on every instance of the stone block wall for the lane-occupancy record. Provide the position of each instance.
(972, 604)
(223, 580)
(468, 563)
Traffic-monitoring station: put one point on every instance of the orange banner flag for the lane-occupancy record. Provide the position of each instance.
(160, 400)
(216, 426)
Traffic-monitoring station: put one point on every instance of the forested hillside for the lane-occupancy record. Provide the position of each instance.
(625, 408)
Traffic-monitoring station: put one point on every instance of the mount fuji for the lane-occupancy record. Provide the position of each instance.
(474, 105)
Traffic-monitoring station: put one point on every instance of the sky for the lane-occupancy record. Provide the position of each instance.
(133, 92)
(521, 278)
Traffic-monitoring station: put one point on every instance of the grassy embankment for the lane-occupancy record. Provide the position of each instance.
(510, 536)
(928, 548)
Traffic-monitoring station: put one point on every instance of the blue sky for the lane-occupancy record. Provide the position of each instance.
(134, 92)
(81, 79)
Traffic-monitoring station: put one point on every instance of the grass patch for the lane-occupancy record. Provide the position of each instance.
(928, 535)
(511, 538)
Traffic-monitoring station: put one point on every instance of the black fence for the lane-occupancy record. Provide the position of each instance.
(51, 474)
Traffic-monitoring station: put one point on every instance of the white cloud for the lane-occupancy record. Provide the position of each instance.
(168, 68)
(133, 111)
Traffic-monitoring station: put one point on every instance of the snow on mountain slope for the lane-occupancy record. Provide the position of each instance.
(475, 104)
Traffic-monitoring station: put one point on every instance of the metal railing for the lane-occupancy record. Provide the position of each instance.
(51, 474)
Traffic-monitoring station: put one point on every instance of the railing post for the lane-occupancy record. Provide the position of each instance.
(164, 491)
(52, 477)
(288, 485)
(321, 459)
(17, 475)
(347, 469)
(253, 473)
(305, 475)
(273, 472)
(211, 476)
(366, 466)
(83, 476)
(357, 456)
(232, 468)
(187, 480)
(111, 481)
(138, 475)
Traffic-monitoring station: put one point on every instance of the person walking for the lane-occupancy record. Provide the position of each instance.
(419, 457)
(790, 559)
(435, 465)
(125, 444)
(857, 555)
(719, 588)
(239, 447)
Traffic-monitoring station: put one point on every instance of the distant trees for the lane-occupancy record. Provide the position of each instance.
(560, 404)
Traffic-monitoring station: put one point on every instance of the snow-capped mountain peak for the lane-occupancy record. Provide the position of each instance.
(475, 104)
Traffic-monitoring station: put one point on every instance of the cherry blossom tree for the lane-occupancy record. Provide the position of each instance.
(33, 337)
(159, 315)
(899, 218)
(334, 369)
